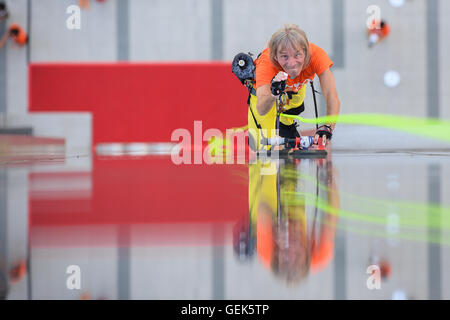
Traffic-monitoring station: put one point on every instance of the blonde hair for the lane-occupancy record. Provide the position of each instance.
(291, 35)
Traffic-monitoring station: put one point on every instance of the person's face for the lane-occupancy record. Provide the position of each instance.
(291, 60)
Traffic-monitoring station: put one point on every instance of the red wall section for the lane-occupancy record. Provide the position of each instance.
(141, 102)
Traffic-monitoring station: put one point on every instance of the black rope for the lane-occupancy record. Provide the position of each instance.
(315, 103)
(250, 92)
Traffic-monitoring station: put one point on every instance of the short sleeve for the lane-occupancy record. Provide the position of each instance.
(319, 60)
(265, 70)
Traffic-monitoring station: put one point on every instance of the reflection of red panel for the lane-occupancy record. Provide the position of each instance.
(148, 190)
(141, 102)
(161, 234)
(60, 185)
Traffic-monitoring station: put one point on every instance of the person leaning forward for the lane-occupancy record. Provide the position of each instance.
(287, 64)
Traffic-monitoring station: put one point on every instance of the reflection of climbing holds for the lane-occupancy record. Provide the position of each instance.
(84, 4)
(85, 296)
(399, 295)
(18, 272)
(385, 269)
(383, 265)
(397, 3)
(391, 79)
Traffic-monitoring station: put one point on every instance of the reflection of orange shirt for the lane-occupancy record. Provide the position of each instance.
(266, 70)
(21, 38)
(264, 238)
(321, 253)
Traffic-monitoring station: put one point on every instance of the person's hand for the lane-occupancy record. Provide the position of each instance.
(278, 83)
(325, 132)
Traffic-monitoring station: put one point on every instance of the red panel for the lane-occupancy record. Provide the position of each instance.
(141, 102)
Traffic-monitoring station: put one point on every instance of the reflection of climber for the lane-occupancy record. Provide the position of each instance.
(15, 275)
(377, 32)
(18, 272)
(285, 241)
(261, 186)
(243, 239)
(86, 4)
(382, 262)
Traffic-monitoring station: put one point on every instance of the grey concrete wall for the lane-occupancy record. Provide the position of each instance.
(17, 226)
(444, 53)
(170, 31)
(163, 272)
(16, 64)
(446, 220)
(199, 30)
(76, 128)
(388, 181)
(3, 28)
(52, 41)
(248, 25)
(98, 274)
(183, 30)
(361, 86)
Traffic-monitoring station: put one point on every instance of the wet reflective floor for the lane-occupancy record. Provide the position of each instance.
(353, 226)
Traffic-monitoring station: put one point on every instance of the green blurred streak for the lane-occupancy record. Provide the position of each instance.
(430, 238)
(431, 128)
(417, 234)
(410, 214)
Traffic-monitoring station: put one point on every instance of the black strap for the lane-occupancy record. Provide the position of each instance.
(256, 122)
(252, 91)
(295, 111)
(315, 103)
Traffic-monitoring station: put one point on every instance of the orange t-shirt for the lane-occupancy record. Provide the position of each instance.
(21, 38)
(266, 70)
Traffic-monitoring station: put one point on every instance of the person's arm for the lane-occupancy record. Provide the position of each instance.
(265, 99)
(333, 105)
(330, 94)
